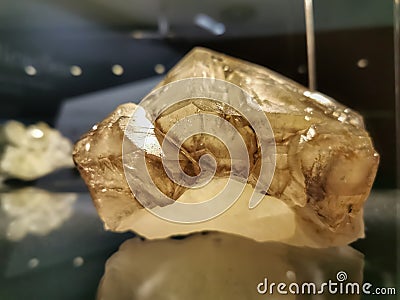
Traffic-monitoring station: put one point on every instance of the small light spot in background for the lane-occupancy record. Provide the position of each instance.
(33, 263)
(30, 70)
(362, 63)
(302, 69)
(291, 275)
(117, 70)
(75, 71)
(159, 69)
(78, 262)
(137, 34)
(209, 24)
(87, 146)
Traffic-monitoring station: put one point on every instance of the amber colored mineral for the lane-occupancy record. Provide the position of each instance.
(325, 162)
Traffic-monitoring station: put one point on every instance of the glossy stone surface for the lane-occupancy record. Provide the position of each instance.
(222, 266)
(325, 163)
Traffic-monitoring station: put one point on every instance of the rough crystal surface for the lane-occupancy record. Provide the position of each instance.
(325, 162)
(30, 152)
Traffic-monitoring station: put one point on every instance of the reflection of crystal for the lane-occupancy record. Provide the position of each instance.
(325, 162)
(221, 266)
(31, 152)
(35, 211)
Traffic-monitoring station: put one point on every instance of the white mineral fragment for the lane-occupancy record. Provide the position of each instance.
(30, 152)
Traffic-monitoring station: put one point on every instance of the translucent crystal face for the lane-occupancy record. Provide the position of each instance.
(325, 160)
(203, 129)
(196, 146)
(200, 144)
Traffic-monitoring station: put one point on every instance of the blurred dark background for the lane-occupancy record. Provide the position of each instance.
(52, 51)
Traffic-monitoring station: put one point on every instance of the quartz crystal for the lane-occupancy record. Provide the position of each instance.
(28, 153)
(325, 161)
(223, 266)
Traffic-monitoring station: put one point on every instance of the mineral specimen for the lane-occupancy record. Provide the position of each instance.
(35, 211)
(28, 153)
(223, 266)
(325, 161)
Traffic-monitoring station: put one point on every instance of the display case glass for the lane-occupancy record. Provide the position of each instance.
(70, 63)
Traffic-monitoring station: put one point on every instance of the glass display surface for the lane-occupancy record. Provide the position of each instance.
(69, 64)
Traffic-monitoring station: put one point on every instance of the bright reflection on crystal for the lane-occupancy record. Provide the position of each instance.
(37, 133)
